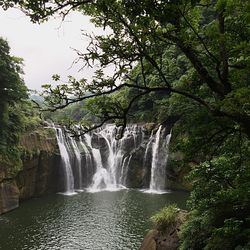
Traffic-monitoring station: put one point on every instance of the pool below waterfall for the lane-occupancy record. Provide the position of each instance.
(101, 220)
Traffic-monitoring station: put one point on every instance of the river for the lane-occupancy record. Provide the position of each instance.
(102, 220)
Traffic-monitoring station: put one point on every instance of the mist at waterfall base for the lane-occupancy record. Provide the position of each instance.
(98, 161)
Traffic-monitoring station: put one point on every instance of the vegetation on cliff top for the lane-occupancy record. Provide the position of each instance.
(165, 217)
(16, 110)
(188, 59)
(12, 95)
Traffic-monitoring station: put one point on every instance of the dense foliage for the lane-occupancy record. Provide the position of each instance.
(189, 59)
(12, 93)
(16, 111)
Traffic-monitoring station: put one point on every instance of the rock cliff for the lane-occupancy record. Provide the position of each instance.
(37, 174)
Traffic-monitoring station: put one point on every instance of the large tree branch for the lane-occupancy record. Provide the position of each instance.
(69, 101)
(197, 99)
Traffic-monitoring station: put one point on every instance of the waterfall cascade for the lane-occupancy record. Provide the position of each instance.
(111, 156)
(159, 161)
(98, 161)
(66, 164)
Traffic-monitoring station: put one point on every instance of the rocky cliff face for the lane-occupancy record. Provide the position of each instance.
(37, 174)
(138, 172)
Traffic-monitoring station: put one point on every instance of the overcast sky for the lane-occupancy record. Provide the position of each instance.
(45, 48)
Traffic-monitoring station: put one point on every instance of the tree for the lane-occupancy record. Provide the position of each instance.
(12, 93)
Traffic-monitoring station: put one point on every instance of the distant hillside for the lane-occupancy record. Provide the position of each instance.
(37, 98)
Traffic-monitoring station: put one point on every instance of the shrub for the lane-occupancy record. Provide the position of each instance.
(165, 217)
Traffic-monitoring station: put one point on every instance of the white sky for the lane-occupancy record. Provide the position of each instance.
(46, 48)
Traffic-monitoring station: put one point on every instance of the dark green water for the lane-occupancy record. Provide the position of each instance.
(104, 220)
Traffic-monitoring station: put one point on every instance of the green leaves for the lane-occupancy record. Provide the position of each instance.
(13, 95)
(165, 217)
(56, 77)
(237, 102)
(221, 192)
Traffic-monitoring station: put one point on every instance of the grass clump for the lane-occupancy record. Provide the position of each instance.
(165, 217)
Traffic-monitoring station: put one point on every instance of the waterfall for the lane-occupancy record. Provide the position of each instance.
(100, 177)
(77, 154)
(124, 172)
(155, 153)
(111, 172)
(146, 157)
(98, 161)
(71, 159)
(159, 161)
(65, 159)
(148, 148)
(88, 161)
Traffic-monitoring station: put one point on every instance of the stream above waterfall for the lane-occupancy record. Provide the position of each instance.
(87, 221)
